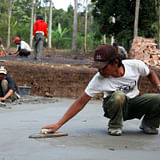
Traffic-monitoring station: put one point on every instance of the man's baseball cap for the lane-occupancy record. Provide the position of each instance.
(3, 70)
(17, 39)
(115, 44)
(103, 54)
(39, 17)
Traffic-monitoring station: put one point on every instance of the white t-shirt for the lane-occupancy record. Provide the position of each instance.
(127, 84)
(24, 45)
(2, 47)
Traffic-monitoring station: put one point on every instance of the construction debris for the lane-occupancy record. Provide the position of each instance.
(146, 50)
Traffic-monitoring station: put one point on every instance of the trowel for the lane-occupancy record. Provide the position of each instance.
(43, 134)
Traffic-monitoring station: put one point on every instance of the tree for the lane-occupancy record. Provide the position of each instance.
(9, 22)
(21, 19)
(124, 13)
(148, 16)
(136, 18)
(4, 21)
(21, 11)
(85, 28)
(32, 19)
(50, 25)
(159, 25)
(158, 13)
(74, 40)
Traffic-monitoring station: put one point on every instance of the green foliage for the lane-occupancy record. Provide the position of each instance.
(91, 41)
(64, 18)
(3, 7)
(148, 16)
(21, 10)
(3, 20)
(124, 13)
(22, 32)
(80, 40)
(102, 10)
(62, 23)
(59, 38)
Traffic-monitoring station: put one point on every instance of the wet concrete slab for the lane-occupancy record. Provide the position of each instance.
(87, 139)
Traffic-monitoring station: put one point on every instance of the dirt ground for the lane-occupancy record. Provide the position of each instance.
(52, 56)
(36, 73)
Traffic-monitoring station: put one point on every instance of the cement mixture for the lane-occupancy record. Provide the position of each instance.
(87, 139)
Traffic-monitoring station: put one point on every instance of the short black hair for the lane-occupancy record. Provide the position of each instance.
(115, 44)
(39, 17)
(119, 61)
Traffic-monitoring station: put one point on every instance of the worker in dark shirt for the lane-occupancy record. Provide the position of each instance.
(8, 87)
(121, 51)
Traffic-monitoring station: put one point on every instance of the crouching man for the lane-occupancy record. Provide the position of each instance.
(118, 80)
(8, 87)
(23, 48)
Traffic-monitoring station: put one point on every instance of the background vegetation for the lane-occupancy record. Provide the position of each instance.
(100, 13)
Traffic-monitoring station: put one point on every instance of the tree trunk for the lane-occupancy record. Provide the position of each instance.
(159, 26)
(85, 29)
(32, 19)
(136, 18)
(74, 40)
(50, 25)
(45, 14)
(9, 22)
(112, 36)
(104, 38)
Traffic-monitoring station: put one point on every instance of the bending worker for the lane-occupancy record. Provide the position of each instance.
(39, 31)
(118, 80)
(23, 49)
(8, 87)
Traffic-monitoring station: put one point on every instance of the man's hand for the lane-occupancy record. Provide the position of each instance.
(46, 40)
(51, 128)
(154, 79)
(75, 108)
(11, 53)
(2, 99)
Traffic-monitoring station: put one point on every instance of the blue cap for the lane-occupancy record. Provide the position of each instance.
(40, 17)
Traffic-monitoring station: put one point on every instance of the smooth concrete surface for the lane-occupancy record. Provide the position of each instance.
(87, 140)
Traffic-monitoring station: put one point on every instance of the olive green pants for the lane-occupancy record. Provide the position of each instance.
(118, 108)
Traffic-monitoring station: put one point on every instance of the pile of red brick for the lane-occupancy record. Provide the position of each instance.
(146, 50)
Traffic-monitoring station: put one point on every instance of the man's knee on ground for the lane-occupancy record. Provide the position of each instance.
(4, 84)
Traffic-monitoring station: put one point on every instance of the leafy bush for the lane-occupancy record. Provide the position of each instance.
(59, 38)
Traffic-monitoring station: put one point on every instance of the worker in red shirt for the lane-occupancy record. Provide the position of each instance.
(39, 31)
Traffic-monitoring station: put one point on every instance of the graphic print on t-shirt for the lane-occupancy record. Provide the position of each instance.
(126, 88)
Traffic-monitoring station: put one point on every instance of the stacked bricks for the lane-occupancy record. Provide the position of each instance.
(145, 50)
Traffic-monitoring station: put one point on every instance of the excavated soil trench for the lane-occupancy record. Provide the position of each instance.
(58, 74)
